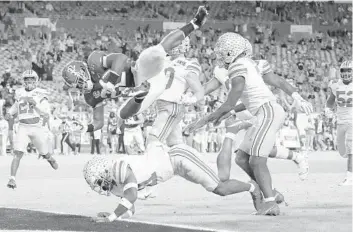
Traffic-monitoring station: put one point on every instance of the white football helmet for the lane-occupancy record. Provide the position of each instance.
(97, 173)
(30, 79)
(229, 47)
(182, 48)
(346, 72)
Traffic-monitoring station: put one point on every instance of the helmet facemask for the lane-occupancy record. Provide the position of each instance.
(103, 184)
(346, 75)
(30, 82)
(82, 78)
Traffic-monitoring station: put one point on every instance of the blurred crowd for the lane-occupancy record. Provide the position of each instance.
(309, 63)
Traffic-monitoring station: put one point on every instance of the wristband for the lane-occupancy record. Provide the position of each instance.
(126, 203)
(188, 28)
(112, 217)
(230, 136)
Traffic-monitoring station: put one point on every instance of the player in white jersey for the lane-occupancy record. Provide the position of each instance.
(32, 109)
(248, 85)
(184, 74)
(341, 94)
(126, 175)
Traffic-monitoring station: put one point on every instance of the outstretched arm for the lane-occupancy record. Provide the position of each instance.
(126, 205)
(278, 82)
(211, 86)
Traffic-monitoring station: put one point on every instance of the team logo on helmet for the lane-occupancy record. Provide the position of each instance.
(228, 47)
(76, 75)
(346, 72)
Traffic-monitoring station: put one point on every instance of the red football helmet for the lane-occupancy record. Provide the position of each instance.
(76, 75)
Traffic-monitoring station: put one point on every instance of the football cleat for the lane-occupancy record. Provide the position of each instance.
(256, 195)
(200, 17)
(51, 161)
(12, 184)
(303, 165)
(269, 209)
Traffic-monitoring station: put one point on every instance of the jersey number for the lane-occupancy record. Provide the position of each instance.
(24, 108)
(152, 181)
(344, 102)
(169, 73)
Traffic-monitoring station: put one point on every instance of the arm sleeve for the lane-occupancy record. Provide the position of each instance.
(236, 70)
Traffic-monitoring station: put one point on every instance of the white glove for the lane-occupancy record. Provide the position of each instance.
(187, 99)
(108, 86)
(301, 104)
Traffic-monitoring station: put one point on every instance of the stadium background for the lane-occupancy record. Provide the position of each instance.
(304, 42)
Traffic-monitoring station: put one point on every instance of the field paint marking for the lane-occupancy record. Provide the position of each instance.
(134, 221)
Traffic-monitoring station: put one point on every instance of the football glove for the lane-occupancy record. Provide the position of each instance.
(302, 104)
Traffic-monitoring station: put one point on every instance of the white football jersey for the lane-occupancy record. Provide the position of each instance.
(343, 94)
(176, 72)
(255, 92)
(26, 114)
(139, 165)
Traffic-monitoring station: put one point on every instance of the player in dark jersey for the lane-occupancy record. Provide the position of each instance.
(104, 74)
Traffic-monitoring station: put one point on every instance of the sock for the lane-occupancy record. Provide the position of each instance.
(12, 178)
(283, 153)
(349, 174)
(269, 199)
(252, 188)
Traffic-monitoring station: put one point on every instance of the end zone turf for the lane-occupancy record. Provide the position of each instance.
(22, 219)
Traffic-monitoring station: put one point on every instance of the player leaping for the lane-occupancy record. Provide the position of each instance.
(114, 70)
(248, 85)
(32, 109)
(125, 176)
(342, 94)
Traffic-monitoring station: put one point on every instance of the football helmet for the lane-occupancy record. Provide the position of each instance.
(346, 72)
(76, 75)
(182, 48)
(30, 79)
(248, 49)
(97, 173)
(229, 47)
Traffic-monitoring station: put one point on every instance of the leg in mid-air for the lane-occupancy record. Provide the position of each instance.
(14, 167)
(187, 163)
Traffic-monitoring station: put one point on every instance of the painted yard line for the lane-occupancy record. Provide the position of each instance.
(181, 226)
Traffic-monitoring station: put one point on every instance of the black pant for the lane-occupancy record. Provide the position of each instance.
(66, 138)
(121, 143)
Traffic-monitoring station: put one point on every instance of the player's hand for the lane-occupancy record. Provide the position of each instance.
(200, 17)
(100, 219)
(103, 214)
(189, 129)
(302, 104)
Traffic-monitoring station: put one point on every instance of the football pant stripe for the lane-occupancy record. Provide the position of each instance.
(171, 118)
(266, 125)
(177, 151)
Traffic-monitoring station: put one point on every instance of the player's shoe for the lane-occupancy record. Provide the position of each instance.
(303, 165)
(12, 183)
(269, 209)
(256, 195)
(234, 126)
(51, 161)
(278, 196)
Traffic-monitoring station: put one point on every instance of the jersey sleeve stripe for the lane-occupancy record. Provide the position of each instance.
(237, 72)
(234, 66)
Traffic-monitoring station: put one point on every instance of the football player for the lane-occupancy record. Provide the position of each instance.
(246, 83)
(184, 74)
(116, 70)
(125, 176)
(32, 109)
(341, 94)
